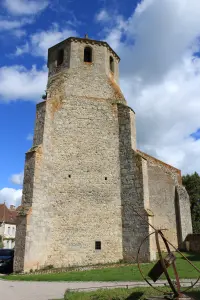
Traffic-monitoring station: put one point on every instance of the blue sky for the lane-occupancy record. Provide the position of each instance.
(17, 117)
(159, 72)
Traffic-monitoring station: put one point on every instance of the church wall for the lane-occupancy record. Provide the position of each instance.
(134, 229)
(27, 198)
(192, 243)
(162, 202)
(20, 240)
(76, 196)
(79, 181)
(168, 202)
(184, 220)
(39, 123)
(84, 178)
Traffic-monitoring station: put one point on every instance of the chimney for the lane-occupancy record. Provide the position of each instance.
(12, 207)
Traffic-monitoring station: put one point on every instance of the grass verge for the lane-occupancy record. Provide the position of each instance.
(120, 273)
(122, 294)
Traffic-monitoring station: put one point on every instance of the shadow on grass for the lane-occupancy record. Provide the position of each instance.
(135, 296)
(192, 256)
(194, 294)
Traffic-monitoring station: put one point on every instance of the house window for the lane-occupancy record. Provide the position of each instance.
(13, 231)
(111, 64)
(60, 57)
(97, 245)
(8, 230)
(88, 54)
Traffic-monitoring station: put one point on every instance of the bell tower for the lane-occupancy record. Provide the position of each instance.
(91, 68)
(79, 174)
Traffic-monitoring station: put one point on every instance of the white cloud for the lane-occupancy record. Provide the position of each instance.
(163, 31)
(9, 25)
(10, 196)
(41, 41)
(19, 32)
(160, 77)
(29, 137)
(22, 50)
(14, 26)
(24, 7)
(27, 84)
(102, 16)
(17, 178)
(115, 31)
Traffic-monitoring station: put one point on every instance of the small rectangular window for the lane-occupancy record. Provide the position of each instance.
(97, 245)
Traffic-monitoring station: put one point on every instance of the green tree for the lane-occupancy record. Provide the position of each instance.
(192, 185)
(1, 242)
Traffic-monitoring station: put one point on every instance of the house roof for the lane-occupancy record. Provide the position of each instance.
(7, 215)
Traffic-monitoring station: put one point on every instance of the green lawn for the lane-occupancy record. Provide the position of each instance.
(122, 294)
(121, 273)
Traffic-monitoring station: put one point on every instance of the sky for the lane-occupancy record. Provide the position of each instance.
(159, 45)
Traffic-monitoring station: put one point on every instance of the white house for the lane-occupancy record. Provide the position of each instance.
(8, 225)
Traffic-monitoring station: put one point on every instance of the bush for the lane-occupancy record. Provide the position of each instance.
(49, 267)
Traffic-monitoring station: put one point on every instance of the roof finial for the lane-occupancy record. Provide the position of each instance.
(86, 36)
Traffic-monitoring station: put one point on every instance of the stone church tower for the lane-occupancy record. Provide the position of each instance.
(84, 176)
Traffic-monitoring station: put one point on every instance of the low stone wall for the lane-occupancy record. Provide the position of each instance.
(192, 243)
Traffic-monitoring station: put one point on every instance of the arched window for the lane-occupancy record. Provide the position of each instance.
(88, 54)
(60, 57)
(111, 64)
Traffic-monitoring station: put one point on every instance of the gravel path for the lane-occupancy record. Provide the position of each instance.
(19, 290)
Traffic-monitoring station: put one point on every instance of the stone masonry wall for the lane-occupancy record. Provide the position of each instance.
(184, 220)
(162, 202)
(39, 123)
(132, 196)
(27, 197)
(84, 179)
(32, 167)
(76, 196)
(20, 241)
(193, 243)
(163, 180)
(79, 185)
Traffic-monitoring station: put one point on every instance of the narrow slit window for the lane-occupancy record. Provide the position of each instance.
(88, 54)
(60, 57)
(111, 64)
(97, 245)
